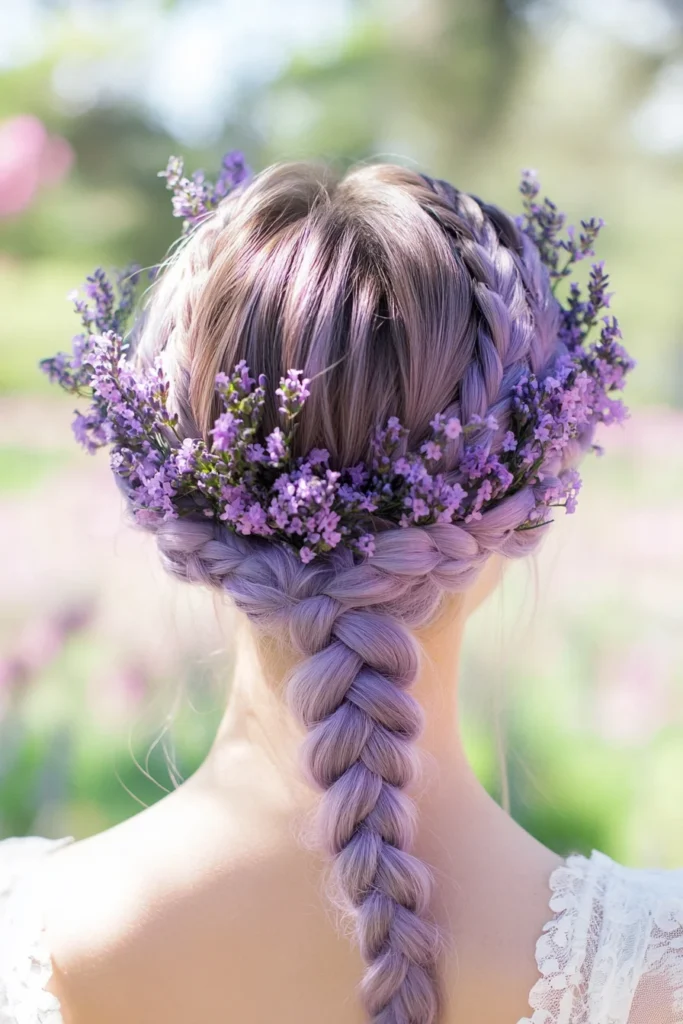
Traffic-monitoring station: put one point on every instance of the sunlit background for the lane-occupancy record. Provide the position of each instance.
(113, 679)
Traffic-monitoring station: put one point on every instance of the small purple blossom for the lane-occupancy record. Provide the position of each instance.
(453, 428)
(292, 393)
(234, 171)
(276, 445)
(431, 450)
(318, 457)
(366, 544)
(490, 422)
(225, 431)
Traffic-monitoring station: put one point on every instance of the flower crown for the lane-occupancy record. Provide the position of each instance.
(255, 485)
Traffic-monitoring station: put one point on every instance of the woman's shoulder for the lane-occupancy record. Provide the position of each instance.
(614, 945)
(123, 905)
(25, 965)
(70, 914)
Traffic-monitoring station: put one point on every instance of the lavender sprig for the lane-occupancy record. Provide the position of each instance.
(544, 223)
(105, 307)
(195, 197)
(604, 360)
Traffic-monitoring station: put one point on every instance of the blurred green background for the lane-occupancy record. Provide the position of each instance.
(112, 679)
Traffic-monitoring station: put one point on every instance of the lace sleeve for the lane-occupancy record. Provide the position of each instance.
(25, 967)
(658, 998)
(613, 951)
(561, 951)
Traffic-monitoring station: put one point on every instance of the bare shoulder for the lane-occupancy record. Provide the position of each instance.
(139, 919)
(171, 915)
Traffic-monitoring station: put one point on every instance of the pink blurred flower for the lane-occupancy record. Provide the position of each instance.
(29, 159)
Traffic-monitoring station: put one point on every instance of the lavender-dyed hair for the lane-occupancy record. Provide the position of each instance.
(399, 296)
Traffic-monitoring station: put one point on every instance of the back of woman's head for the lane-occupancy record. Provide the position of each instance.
(397, 296)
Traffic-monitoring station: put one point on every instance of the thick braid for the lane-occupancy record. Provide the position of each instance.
(351, 693)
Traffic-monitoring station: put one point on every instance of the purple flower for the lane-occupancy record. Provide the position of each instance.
(366, 544)
(318, 457)
(453, 428)
(234, 498)
(254, 520)
(195, 197)
(276, 445)
(257, 453)
(431, 450)
(292, 392)
(234, 171)
(225, 431)
(186, 456)
(358, 474)
(420, 507)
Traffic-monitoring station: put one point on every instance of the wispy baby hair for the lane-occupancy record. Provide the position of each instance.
(441, 397)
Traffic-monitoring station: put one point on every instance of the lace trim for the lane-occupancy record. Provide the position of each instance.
(25, 964)
(613, 927)
(561, 947)
(664, 954)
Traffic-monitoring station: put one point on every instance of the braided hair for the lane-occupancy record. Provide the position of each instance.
(397, 295)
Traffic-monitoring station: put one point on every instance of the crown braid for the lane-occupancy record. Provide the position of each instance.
(351, 621)
(515, 312)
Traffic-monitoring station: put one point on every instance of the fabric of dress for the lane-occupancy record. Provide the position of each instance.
(25, 965)
(611, 952)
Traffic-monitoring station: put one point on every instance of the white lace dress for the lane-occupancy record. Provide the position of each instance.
(611, 952)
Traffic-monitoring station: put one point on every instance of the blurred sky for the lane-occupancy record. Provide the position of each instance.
(189, 61)
(191, 58)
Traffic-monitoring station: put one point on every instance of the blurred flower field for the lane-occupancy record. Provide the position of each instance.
(113, 678)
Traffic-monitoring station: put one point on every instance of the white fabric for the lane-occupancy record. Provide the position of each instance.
(25, 966)
(611, 953)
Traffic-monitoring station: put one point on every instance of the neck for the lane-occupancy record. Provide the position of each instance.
(462, 831)
(258, 725)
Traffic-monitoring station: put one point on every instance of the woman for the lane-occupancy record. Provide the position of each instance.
(434, 400)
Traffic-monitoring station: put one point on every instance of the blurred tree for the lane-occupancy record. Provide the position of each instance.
(446, 66)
